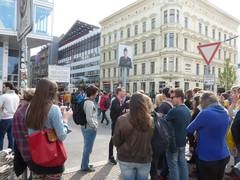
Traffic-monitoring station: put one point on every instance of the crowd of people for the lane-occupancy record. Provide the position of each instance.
(150, 133)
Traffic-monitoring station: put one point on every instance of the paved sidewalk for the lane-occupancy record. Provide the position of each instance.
(104, 171)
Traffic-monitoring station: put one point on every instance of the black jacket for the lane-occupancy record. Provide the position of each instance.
(236, 129)
(116, 110)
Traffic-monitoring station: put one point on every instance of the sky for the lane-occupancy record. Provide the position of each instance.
(93, 11)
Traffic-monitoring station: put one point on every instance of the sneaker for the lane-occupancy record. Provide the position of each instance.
(90, 169)
(112, 161)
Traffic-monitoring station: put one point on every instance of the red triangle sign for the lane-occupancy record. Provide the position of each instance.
(208, 51)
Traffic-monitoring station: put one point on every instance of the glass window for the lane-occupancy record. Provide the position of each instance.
(177, 16)
(103, 73)
(153, 44)
(186, 22)
(197, 69)
(225, 37)
(115, 37)
(213, 33)
(7, 14)
(206, 30)
(143, 68)
(185, 44)
(171, 64)
(114, 72)
(200, 28)
(144, 46)
(153, 23)
(219, 71)
(115, 54)
(177, 40)
(172, 16)
(225, 55)
(144, 27)
(219, 54)
(109, 39)
(109, 55)
(165, 65)
(121, 34)
(213, 70)
(43, 20)
(135, 69)
(186, 86)
(135, 49)
(134, 87)
(104, 57)
(109, 72)
(136, 30)
(219, 36)
(171, 40)
(165, 17)
(152, 67)
(176, 65)
(128, 32)
(143, 86)
(165, 40)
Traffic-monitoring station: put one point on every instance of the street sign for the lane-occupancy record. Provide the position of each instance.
(59, 74)
(24, 18)
(209, 80)
(208, 51)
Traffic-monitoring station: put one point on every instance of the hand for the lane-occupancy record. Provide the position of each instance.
(67, 115)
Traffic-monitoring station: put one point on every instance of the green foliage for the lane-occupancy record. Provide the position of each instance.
(228, 76)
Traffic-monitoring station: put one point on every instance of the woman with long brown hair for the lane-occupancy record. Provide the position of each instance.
(41, 114)
(132, 137)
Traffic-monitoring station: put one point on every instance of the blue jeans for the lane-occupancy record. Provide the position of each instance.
(89, 136)
(177, 164)
(134, 171)
(6, 127)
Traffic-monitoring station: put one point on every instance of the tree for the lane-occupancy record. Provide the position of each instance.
(228, 76)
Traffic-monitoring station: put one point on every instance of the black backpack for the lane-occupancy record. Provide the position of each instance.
(163, 136)
(79, 115)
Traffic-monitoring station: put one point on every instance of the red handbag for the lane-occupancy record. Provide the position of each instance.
(45, 149)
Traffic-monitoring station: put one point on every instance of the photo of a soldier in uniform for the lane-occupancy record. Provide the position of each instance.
(125, 60)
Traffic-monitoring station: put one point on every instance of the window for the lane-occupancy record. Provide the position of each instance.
(177, 16)
(104, 57)
(172, 16)
(115, 37)
(43, 20)
(165, 65)
(135, 49)
(135, 70)
(114, 72)
(153, 44)
(219, 71)
(225, 37)
(197, 69)
(8, 12)
(225, 55)
(121, 34)
(185, 44)
(186, 86)
(213, 33)
(205, 69)
(128, 71)
(143, 46)
(176, 65)
(186, 22)
(206, 30)
(104, 41)
(177, 84)
(109, 72)
(171, 65)
(115, 54)
(165, 17)
(165, 40)
(200, 28)
(213, 70)
(219, 36)
(136, 30)
(128, 32)
(152, 67)
(153, 23)
(144, 27)
(109, 56)
(171, 40)
(134, 87)
(103, 73)
(219, 54)
(109, 39)
(143, 68)
(162, 84)
(176, 40)
(143, 86)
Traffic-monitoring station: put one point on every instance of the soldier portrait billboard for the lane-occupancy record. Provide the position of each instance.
(125, 56)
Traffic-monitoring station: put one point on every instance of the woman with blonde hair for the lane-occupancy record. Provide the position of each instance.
(132, 137)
